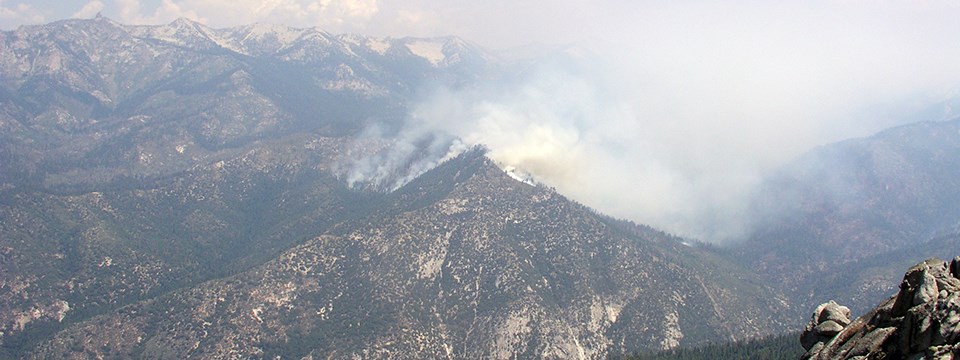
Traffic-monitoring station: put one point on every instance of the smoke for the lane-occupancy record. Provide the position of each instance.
(383, 162)
(685, 162)
(671, 114)
(575, 129)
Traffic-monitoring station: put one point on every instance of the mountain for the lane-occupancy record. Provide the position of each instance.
(93, 101)
(138, 159)
(180, 191)
(856, 212)
(462, 262)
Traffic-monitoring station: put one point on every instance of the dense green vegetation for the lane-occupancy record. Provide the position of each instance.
(785, 346)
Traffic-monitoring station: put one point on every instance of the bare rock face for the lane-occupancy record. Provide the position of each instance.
(921, 322)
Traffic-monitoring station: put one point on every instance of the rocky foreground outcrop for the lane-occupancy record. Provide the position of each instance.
(921, 322)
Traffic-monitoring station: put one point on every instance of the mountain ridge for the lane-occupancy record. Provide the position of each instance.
(538, 280)
(148, 180)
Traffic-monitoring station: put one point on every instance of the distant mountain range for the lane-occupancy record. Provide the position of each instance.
(93, 101)
(173, 191)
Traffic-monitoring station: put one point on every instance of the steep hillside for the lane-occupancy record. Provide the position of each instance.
(835, 211)
(465, 262)
(64, 258)
(860, 283)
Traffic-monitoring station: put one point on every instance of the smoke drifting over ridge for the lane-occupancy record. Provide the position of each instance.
(412, 151)
(670, 114)
(573, 129)
(687, 164)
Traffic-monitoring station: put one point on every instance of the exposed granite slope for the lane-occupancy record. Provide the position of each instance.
(921, 322)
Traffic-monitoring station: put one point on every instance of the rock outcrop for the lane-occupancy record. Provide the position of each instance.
(921, 322)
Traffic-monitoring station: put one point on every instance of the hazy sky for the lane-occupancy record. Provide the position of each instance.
(691, 103)
(505, 22)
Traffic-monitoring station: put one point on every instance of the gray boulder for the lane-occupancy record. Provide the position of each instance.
(921, 322)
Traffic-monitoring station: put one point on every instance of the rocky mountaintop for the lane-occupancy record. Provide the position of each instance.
(922, 321)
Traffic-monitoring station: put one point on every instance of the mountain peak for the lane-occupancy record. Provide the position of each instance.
(184, 21)
(438, 51)
(263, 38)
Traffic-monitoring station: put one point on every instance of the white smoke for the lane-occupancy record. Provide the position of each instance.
(627, 146)
(395, 160)
(572, 132)
(670, 113)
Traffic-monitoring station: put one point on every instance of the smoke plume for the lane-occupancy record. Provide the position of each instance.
(671, 114)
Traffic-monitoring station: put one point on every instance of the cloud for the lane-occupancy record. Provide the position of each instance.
(332, 14)
(20, 13)
(88, 10)
(131, 12)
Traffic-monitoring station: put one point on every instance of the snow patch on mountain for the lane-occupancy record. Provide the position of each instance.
(283, 34)
(430, 50)
(180, 32)
(374, 44)
(380, 46)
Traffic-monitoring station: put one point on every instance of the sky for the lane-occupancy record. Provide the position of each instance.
(682, 106)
